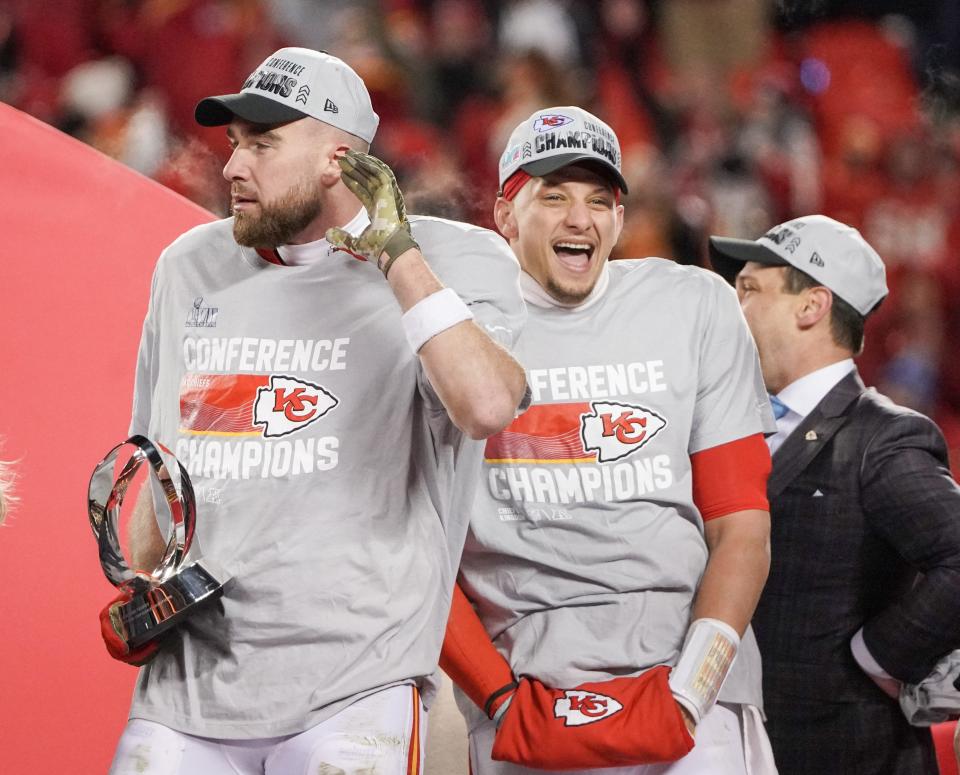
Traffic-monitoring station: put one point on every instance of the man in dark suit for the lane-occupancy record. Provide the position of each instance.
(864, 585)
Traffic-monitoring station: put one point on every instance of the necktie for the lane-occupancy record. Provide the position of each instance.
(779, 408)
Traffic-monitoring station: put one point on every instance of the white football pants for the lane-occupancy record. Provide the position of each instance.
(382, 733)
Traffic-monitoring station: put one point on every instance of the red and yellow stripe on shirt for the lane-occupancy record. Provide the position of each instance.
(220, 404)
(547, 433)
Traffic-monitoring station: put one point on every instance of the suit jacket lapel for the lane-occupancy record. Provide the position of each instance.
(813, 434)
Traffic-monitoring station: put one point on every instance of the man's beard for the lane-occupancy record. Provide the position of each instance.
(279, 222)
(567, 296)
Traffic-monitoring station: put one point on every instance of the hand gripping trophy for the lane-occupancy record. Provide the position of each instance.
(150, 603)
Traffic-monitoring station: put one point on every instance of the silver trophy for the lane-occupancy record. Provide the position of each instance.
(181, 582)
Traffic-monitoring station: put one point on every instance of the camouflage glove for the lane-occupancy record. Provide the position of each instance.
(373, 183)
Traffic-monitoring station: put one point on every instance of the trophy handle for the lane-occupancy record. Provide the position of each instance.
(105, 498)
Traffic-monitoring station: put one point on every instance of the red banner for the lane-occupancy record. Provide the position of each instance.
(81, 236)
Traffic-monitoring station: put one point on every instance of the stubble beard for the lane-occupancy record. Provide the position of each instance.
(277, 223)
(568, 296)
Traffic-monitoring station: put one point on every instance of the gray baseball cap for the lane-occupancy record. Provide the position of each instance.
(557, 137)
(832, 253)
(294, 83)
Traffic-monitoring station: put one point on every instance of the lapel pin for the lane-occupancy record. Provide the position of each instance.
(811, 436)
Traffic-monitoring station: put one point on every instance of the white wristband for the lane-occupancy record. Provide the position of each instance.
(433, 315)
(707, 655)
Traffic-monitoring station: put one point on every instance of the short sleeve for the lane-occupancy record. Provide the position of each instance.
(731, 400)
(479, 265)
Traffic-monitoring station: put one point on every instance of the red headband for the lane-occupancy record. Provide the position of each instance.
(513, 184)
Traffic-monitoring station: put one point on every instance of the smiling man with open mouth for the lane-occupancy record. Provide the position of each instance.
(560, 201)
(618, 541)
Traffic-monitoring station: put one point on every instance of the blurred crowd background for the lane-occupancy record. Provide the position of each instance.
(733, 115)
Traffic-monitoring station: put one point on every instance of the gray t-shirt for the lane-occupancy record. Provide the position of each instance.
(585, 548)
(330, 482)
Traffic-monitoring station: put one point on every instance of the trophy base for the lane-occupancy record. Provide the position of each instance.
(163, 605)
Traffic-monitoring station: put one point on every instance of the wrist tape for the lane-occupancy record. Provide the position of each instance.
(707, 655)
(433, 315)
(399, 243)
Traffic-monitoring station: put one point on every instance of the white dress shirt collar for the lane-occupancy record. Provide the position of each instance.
(802, 396)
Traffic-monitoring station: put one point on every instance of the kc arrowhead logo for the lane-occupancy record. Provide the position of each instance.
(549, 121)
(614, 430)
(290, 404)
(577, 707)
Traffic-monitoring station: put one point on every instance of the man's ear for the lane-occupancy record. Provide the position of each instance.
(329, 166)
(620, 212)
(815, 304)
(505, 218)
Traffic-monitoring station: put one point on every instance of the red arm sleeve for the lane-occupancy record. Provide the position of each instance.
(471, 660)
(731, 477)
